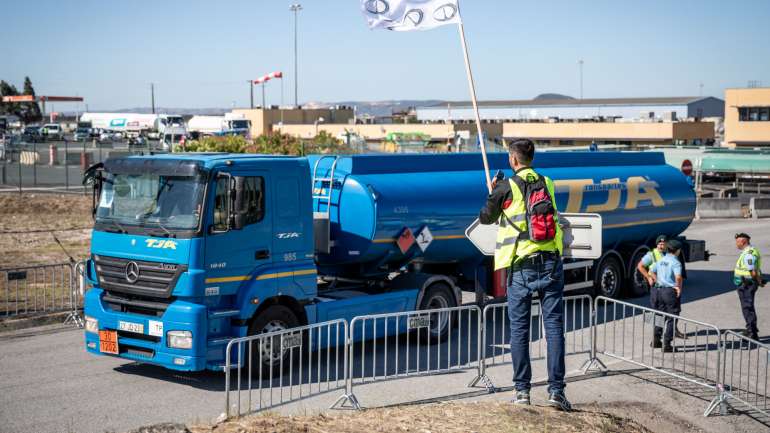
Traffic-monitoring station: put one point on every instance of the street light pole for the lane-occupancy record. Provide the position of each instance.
(251, 94)
(580, 62)
(296, 7)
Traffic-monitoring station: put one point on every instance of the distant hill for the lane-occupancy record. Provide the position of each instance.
(552, 96)
(363, 108)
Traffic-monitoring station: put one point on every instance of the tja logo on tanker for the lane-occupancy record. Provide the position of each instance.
(638, 189)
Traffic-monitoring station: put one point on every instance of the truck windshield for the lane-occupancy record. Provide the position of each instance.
(240, 124)
(152, 201)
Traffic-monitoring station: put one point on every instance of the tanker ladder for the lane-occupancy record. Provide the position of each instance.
(322, 220)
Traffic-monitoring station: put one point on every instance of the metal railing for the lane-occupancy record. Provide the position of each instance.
(627, 332)
(414, 343)
(36, 289)
(316, 359)
(745, 371)
(284, 366)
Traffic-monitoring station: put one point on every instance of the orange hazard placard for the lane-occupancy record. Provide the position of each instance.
(405, 240)
(108, 342)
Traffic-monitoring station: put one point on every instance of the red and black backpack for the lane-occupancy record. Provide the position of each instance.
(540, 209)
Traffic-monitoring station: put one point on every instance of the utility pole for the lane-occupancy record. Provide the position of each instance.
(152, 96)
(700, 89)
(264, 107)
(296, 7)
(251, 94)
(580, 63)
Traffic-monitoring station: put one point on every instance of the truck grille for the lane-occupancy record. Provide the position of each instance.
(152, 279)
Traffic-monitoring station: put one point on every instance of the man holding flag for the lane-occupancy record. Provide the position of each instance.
(408, 15)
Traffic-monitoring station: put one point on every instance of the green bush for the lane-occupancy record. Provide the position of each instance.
(230, 144)
(269, 144)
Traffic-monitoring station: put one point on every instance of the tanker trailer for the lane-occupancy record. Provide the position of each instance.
(375, 200)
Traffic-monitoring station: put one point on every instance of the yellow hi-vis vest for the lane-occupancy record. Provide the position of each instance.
(507, 249)
(740, 267)
(656, 257)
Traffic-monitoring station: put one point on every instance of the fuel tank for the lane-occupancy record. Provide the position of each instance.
(374, 198)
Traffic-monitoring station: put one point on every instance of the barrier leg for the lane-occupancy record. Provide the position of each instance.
(720, 401)
(348, 400)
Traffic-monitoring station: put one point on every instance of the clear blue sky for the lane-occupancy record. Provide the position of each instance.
(201, 53)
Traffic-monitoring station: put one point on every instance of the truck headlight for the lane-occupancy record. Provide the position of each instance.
(179, 339)
(92, 325)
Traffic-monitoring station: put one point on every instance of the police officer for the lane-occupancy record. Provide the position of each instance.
(666, 278)
(748, 278)
(653, 256)
(533, 266)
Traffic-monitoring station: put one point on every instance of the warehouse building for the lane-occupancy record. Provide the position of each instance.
(747, 117)
(570, 109)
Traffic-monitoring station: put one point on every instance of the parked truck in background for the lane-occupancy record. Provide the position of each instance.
(170, 130)
(229, 124)
(191, 250)
(127, 123)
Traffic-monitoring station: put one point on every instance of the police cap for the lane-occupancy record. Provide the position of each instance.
(742, 235)
(661, 238)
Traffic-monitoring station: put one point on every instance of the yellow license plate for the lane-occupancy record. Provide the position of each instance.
(108, 342)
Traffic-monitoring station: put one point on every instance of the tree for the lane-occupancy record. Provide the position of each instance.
(7, 89)
(30, 110)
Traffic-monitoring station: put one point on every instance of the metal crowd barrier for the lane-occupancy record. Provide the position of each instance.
(332, 355)
(745, 372)
(284, 366)
(413, 343)
(578, 333)
(38, 289)
(625, 331)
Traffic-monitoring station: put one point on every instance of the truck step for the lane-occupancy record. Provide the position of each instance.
(218, 314)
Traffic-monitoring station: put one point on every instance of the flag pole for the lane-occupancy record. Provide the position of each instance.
(472, 86)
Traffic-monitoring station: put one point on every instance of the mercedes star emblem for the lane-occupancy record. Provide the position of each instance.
(445, 12)
(377, 7)
(132, 272)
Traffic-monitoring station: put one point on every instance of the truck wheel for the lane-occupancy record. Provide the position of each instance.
(609, 278)
(637, 285)
(266, 353)
(438, 295)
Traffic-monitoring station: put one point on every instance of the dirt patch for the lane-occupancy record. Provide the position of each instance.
(29, 222)
(481, 417)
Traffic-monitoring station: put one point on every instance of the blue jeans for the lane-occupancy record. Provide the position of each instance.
(546, 277)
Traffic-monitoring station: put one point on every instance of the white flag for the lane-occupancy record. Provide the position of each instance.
(407, 15)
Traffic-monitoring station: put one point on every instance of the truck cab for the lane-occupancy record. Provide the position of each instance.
(185, 250)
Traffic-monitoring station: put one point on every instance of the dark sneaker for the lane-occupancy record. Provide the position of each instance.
(522, 398)
(656, 344)
(668, 348)
(746, 333)
(559, 401)
(681, 335)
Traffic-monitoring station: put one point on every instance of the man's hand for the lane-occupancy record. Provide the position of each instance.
(651, 279)
(678, 291)
(494, 182)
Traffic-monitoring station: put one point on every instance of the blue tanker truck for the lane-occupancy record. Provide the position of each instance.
(191, 250)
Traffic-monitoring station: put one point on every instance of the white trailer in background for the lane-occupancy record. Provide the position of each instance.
(121, 122)
(229, 124)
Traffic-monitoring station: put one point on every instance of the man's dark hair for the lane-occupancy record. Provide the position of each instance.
(523, 150)
(673, 246)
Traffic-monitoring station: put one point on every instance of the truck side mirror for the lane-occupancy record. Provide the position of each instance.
(238, 215)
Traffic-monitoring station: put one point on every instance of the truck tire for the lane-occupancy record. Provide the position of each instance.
(608, 280)
(438, 295)
(267, 354)
(637, 286)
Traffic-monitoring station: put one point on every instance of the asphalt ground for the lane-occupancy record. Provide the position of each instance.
(48, 383)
